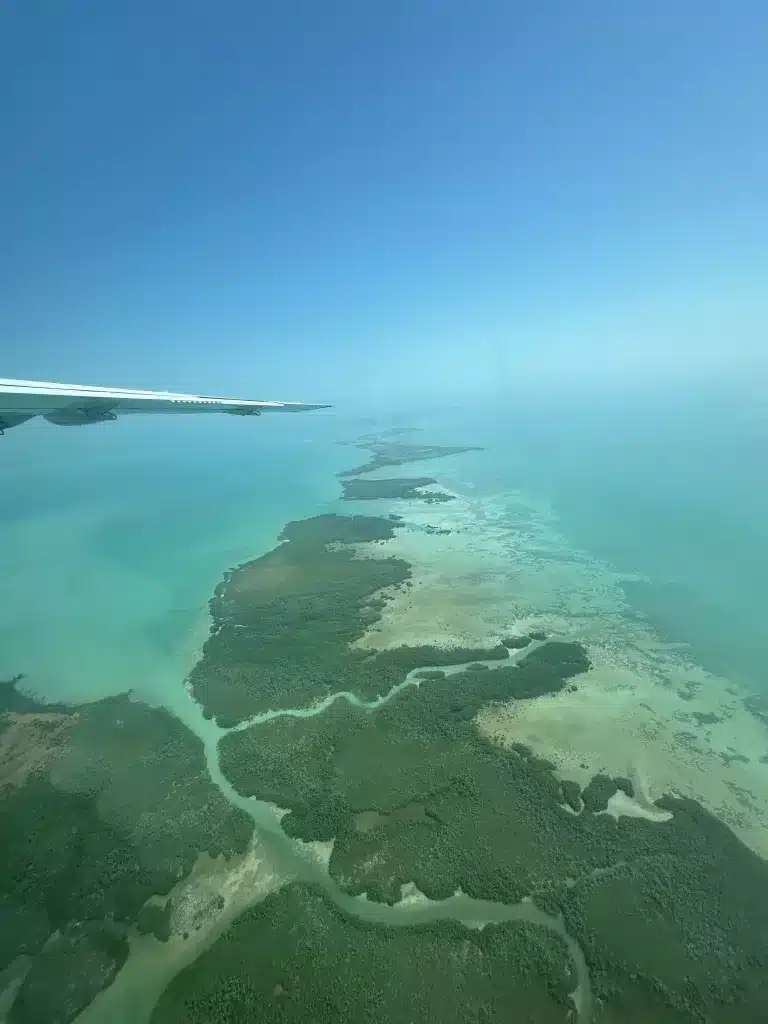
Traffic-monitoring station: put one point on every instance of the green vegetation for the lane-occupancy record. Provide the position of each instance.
(418, 747)
(434, 497)
(155, 919)
(116, 804)
(680, 927)
(342, 755)
(297, 958)
(12, 699)
(705, 718)
(672, 916)
(516, 643)
(402, 488)
(571, 794)
(283, 624)
(599, 791)
(117, 811)
(24, 928)
(385, 454)
(395, 487)
(69, 973)
(625, 785)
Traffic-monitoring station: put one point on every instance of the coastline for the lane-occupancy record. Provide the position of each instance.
(636, 712)
(473, 578)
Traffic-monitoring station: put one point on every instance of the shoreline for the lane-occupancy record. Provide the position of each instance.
(636, 712)
(463, 556)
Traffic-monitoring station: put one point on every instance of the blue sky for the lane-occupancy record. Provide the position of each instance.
(299, 199)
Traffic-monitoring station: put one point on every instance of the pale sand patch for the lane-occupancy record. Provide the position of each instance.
(621, 805)
(504, 569)
(622, 721)
(320, 851)
(30, 743)
(239, 883)
(463, 591)
(411, 896)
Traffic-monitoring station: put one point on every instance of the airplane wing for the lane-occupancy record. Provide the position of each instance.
(74, 405)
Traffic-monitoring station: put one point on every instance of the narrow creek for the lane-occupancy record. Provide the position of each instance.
(300, 864)
(152, 965)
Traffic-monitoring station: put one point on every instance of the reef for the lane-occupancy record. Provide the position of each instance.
(284, 624)
(105, 807)
(705, 718)
(435, 497)
(297, 958)
(672, 916)
(523, 639)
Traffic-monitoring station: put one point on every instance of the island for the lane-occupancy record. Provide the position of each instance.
(103, 807)
(403, 487)
(375, 756)
(395, 453)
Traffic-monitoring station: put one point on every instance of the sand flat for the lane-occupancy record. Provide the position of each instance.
(645, 710)
(239, 882)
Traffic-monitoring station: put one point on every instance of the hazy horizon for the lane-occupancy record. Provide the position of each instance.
(448, 702)
(367, 203)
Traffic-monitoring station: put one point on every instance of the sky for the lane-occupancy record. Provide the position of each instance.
(313, 200)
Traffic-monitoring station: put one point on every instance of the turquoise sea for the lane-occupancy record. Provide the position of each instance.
(113, 537)
(670, 488)
(112, 541)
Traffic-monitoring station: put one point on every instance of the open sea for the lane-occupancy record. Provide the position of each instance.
(112, 538)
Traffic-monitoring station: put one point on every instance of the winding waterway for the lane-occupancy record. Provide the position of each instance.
(297, 860)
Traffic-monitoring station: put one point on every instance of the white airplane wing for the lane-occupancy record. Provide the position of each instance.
(73, 405)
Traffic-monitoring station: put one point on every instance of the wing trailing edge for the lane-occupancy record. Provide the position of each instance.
(79, 404)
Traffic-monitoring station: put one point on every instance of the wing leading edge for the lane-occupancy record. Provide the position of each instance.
(72, 405)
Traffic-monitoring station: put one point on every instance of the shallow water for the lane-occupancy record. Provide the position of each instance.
(108, 556)
(106, 567)
(111, 543)
(669, 489)
(298, 861)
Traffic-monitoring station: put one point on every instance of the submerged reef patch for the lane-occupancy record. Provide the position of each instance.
(284, 623)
